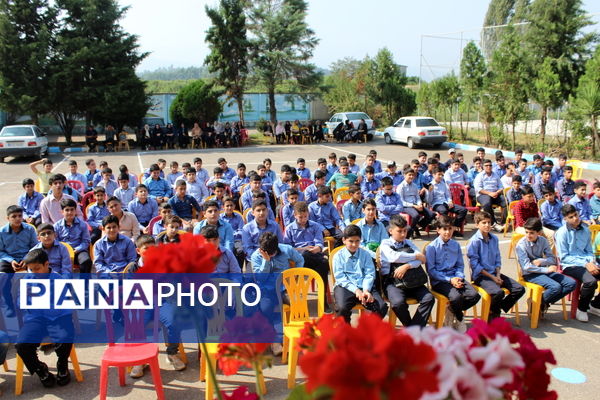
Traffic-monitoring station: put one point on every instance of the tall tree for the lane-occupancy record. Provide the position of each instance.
(196, 102)
(498, 13)
(446, 92)
(472, 72)
(26, 42)
(229, 49)
(282, 46)
(546, 92)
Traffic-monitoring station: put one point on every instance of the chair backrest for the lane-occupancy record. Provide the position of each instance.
(71, 252)
(141, 178)
(37, 186)
(153, 221)
(77, 186)
(540, 202)
(87, 199)
(297, 283)
(211, 197)
(505, 191)
(511, 206)
(134, 326)
(513, 243)
(577, 168)
(456, 191)
(356, 221)
(86, 210)
(594, 229)
(216, 323)
(237, 212)
(304, 183)
(341, 194)
(331, 256)
(246, 212)
(340, 206)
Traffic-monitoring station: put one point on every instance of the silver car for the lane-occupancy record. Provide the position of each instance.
(22, 140)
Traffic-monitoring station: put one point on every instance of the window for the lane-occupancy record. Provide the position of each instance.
(399, 123)
(13, 131)
(424, 122)
(408, 123)
(357, 116)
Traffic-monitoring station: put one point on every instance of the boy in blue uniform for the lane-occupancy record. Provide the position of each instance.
(301, 170)
(538, 265)
(373, 231)
(211, 217)
(143, 206)
(388, 202)
(39, 324)
(445, 267)
(58, 255)
(352, 208)
(259, 225)
(227, 261)
(74, 231)
(565, 185)
(369, 184)
(310, 193)
(515, 193)
(114, 251)
(324, 212)
(398, 256)
(441, 202)
(183, 204)
(412, 204)
(355, 277)
(483, 251)
(488, 189)
(581, 202)
(550, 210)
(30, 203)
(158, 188)
(96, 213)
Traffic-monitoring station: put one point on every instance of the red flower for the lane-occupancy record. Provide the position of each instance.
(232, 356)
(371, 361)
(193, 254)
(241, 393)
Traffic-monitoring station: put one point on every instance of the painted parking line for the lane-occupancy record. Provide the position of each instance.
(342, 150)
(62, 161)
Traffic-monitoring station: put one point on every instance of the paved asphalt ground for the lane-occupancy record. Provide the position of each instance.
(576, 345)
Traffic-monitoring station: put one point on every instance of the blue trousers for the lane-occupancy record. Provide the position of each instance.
(499, 300)
(556, 285)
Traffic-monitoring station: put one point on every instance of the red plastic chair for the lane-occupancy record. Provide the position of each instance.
(340, 205)
(129, 353)
(304, 183)
(460, 196)
(87, 199)
(77, 186)
(152, 222)
(407, 218)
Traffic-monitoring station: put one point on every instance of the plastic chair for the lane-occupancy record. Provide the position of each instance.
(341, 194)
(131, 353)
(577, 169)
(460, 196)
(21, 365)
(76, 185)
(141, 178)
(594, 229)
(297, 282)
(153, 221)
(236, 212)
(304, 183)
(211, 197)
(510, 218)
(246, 212)
(87, 199)
(332, 254)
(340, 207)
(356, 221)
(71, 252)
(37, 186)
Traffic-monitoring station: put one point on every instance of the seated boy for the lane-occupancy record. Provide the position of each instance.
(343, 177)
(392, 173)
(228, 172)
(510, 173)
(174, 174)
(114, 251)
(194, 187)
(301, 170)
(211, 217)
(219, 190)
(287, 211)
(324, 212)
(30, 203)
(143, 206)
(354, 274)
(172, 225)
(369, 185)
(107, 182)
(581, 202)
(261, 195)
(50, 206)
(283, 182)
(441, 202)
(240, 179)
(43, 176)
(73, 175)
(74, 231)
(58, 255)
(545, 180)
(183, 204)
(412, 204)
(445, 267)
(164, 211)
(201, 173)
(595, 202)
(488, 189)
(310, 193)
(538, 265)
(216, 178)
(373, 231)
(142, 243)
(55, 324)
(158, 188)
(515, 193)
(455, 174)
(293, 185)
(237, 223)
(527, 208)
(388, 202)
(574, 247)
(259, 225)
(566, 186)
(124, 193)
(398, 256)
(559, 169)
(352, 208)
(227, 263)
(90, 173)
(550, 210)
(483, 251)
(96, 213)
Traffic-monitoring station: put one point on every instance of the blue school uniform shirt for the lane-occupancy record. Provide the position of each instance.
(147, 174)
(76, 234)
(527, 252)
(557, 171)
(251, 233)
(197, 190)
(58, 257)
(159, 226)
(77, 177)
(125, 195)
(327, 174)
(183, 207)
(409, 194)
(583, 207)
(158, 187)
(355, 169)
(498, 170)
(472, 174)
(202, 175)
(537, 188)
(310, 193)
(534, 170)
(284, 196)
(237, 182)
(89, 177)
(353, 271)
(439, 194)
(444, 261)
(372, 233)
(144, 212)
(574, 245)
(229, 173)
(171, 178)
(237, 223)
(96, 214)
(565, 188)
(396, 178)
(51, 314)
(390, 256)
(366, 187)
(332, 169)
(271, 215)
(490, 182)
(279, 187)
(310, 235)
(388, 205)
(376, 166)
(303, 173)
(227, 263)
(352, 211)
(14, 246)
(484, 255)
(551, 214)
(279, 262)
(30, 204)
(456, 177)
(325, 214)
(514, 195)
(287, 213)
(225, 232)
(595, 205)
(426, 178)
(113, 256)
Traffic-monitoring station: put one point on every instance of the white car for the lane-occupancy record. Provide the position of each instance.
(355, 118)
(416, 131)
(22, 140)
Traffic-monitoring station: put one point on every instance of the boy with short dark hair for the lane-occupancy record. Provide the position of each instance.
(538, 265)
(201, 173)
(30, 203)
(114, 251)
(96, 213)
(158, 188)
(398, 256)
(445, 267)
(90, 174)
(310, 193)
(369, 185)
(488, 189)
(293, 185)
(332, 167)
(324, 212)
(124, 193)
(50, 206)
(183, 204)
(595, 202)
(211, 217)
(440, 200)
(44, 176)
(322, 167)
(172, 224)
(483, 251)
(107, 183)
(143, 207)
(73, 175)
(58, 255)
(352, 165)
(544, 180)
(228, 172)
(342, 177)
(74, 231)
(282, 183)
(354, 274)
(287, 211)
(227, 261)
(515, 193)
(129, 225)
(352, 208)
(174, 174)
(412, 204)
(301, 170)
(142, 244)
(581, 202)
(240, 179)
(259, 225)
(565, 185)
(388, 202)
(550, 210)
(194, 187)
(164, 211)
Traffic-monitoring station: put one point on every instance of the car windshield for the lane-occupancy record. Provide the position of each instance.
(357, 115)
(11, 131)
(426, 122)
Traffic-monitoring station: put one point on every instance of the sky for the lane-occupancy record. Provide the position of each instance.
(173, 32)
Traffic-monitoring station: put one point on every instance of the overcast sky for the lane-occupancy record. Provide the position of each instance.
(173, 32)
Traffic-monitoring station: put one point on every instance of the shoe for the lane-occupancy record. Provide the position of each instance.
(63, 377)
(594, 311)
(137, 371)
(544, 309)
(175, 362)
(449, 318)
(46, 377)
(276, 349)
(499, 228)
(492, 316)
(460, 326)
(417, 234)
(582, 316)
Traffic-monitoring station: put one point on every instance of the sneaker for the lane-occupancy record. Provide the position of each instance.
(276, 349)
(175, 362)
(594, 311)
(46, 377)
(460, 326)
(582, 316)
(499, 228)
(137, 371)
(63, 377)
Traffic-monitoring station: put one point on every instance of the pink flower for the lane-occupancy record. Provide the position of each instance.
(469, 385)
(241, 393)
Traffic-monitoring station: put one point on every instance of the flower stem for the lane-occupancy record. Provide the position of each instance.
(258, 375)
(211, 372)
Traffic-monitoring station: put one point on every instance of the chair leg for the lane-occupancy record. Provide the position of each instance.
(182, 354)
(293, 360)
(202, 368)
(575, 300)
(75, 363)
(209, 388)
(564, 309)
(536, 305)
(284, 350)
(392, 318)
(155, 370)
(440, 314)
(19, 376)
(121, 376)
(103, 380)
(517, 315)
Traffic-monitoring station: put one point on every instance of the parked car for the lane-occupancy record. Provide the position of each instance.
(416, 131)
(355, 117)
(22, 140)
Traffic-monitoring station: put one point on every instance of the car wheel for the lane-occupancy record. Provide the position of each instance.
(388, 139)
(411, 143)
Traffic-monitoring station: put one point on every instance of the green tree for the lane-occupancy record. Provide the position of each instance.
(229, 49)
(446, 94)
(26, 43)
(196, 102)
(472, 72)
(546, 91)
(282, 46)
(498, 13)
(426, 102)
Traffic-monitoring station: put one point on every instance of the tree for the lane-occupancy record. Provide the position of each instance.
(26, 42)
(282, 45)
(546, 91)
(229, 49)
(446, 94)
(498, 13)
(472, 71)
(196, 102)
(425, 100)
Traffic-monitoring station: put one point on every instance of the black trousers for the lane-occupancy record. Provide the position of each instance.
(6, 276)
(589, 284)
(318, 263)
(422, 218)
(345, 300)
(459, 211)
(499, 300)
(460, 299)
(487, 202)
(95, 235)
(84, 261)
(397, 298)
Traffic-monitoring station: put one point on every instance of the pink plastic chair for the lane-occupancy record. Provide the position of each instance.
(152, 222)
(304, 183)
(77, 186)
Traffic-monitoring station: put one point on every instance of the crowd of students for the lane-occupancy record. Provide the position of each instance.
(262, 221)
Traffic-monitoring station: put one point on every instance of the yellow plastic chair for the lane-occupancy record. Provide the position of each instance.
(20, 365)
(87, 208)
(37, 186)
(510, 217)
(356, 221)
(534, 291)
(577, 168)
(594, 229)
(211, 197)
(486, 302)
(297, 283)
(71, 252)
(540, 202)
(341, 194)
(245, 214)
